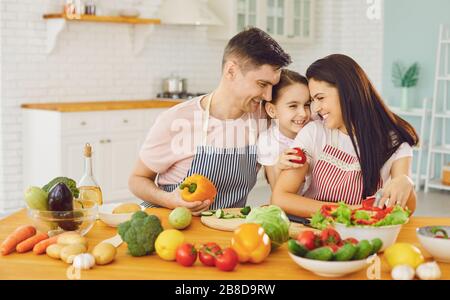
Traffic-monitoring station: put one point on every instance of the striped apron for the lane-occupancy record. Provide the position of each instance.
(337, 176)
(232, 170)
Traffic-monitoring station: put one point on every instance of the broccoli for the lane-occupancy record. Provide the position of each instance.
(140, 233)
(70, 183)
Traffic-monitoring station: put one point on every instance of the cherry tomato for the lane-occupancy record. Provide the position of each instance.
(227, 260)
(330, 236)
(186, 255)
(207, 254)
(308, 239)
(301, 156)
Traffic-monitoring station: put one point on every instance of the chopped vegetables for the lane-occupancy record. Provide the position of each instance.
(439, 233)
(365, 216)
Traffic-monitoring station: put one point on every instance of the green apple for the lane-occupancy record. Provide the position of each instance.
(36, 198)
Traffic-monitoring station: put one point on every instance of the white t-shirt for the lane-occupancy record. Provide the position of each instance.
(271, 144)
(314, 136)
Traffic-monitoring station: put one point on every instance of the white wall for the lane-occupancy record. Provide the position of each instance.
(95, 62)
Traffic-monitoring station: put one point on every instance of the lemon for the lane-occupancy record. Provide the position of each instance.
(167, 243)
(403, 254)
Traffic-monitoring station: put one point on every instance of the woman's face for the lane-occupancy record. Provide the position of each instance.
(327, 104)
(292, 109)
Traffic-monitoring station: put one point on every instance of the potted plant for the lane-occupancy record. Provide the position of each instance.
(405, 79)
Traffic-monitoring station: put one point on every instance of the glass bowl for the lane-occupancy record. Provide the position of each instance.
(80, 220)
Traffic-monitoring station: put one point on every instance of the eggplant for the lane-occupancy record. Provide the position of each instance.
(60, 199)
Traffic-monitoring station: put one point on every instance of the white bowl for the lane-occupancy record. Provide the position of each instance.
(438, 248)
(110, 219)
(387, 234)
(330, 268)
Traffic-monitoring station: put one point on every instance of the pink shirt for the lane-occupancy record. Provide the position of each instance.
(171, 142)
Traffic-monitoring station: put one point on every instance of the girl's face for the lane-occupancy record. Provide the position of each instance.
(325, 98)
(292, 109)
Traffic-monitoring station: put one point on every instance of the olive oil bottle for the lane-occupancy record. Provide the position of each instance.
(89, 189)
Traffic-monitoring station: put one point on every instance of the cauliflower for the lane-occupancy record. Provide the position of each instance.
(140, 233)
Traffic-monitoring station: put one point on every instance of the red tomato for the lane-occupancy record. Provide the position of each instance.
(301, 157)
(227, 260)
(308, 239)
(186, 255)
(207, 254)
(330, 236)
(334, 247)
(351, 241)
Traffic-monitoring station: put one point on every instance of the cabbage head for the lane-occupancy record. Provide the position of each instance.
(274, 221)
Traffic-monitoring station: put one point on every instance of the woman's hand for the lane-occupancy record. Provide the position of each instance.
(174, 200)
(397, 191)
(284, 161)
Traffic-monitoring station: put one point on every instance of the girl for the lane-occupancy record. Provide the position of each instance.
(290, 109)
(358, 147)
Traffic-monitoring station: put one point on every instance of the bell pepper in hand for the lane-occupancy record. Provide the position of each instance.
(251, 243)
(197, 188)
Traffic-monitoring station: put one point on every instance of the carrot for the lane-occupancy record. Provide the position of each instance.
(28, 244)
(20, 234)
(40, 247)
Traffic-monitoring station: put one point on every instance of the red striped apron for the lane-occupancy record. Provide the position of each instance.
(337, 177)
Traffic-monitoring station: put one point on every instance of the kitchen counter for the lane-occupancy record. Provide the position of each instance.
(102, 105)
(278, 266)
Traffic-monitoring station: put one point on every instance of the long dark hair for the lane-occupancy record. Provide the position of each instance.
(376, 133)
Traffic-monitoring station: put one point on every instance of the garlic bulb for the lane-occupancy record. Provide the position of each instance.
(83, 261)
(429, 271)
(402, 272)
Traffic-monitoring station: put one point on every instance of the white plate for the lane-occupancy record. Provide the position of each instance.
(330, 268)
(110, 219)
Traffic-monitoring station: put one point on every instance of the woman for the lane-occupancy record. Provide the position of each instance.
(358, 146)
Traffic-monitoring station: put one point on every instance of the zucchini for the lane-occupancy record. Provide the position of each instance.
(228, 216)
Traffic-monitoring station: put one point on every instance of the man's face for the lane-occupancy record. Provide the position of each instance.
(254, 85)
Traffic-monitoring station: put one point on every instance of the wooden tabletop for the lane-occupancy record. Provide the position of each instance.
(102, 105)
(278, 266)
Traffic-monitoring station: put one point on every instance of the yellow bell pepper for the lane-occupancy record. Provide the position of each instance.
(251, 243)
(197, 188)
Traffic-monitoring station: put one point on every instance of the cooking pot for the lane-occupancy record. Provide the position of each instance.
(174, 85)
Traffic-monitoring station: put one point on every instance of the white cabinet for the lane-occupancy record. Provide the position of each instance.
(288, 21)
(53, 146)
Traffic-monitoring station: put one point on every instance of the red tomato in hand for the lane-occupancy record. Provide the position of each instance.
(301, 157)
(227, 260)
(207, 254)
(186, 255)
(308, 239)
(330, 236)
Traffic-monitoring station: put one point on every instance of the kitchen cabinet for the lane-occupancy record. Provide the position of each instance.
(53, 146)
(288, 21)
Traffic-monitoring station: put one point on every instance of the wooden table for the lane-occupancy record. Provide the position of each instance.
(278, 266)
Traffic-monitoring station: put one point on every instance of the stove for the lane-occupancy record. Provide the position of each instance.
(181, 96)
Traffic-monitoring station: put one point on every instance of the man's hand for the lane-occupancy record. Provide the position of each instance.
(174, 200)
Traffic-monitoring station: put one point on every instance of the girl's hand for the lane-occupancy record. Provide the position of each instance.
(197, 207)
(284, 161)
(397, 192)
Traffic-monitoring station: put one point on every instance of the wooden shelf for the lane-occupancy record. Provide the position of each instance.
(104, 19)
(142, 28)
(102, 105)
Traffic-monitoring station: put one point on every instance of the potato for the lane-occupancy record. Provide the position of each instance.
(54, 250)
(104, 253)
(70, 251)
(127, 208)
(70, 238)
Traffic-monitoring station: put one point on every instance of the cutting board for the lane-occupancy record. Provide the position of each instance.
(233, 224)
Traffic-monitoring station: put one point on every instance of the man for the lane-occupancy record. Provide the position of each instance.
(194, 137)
